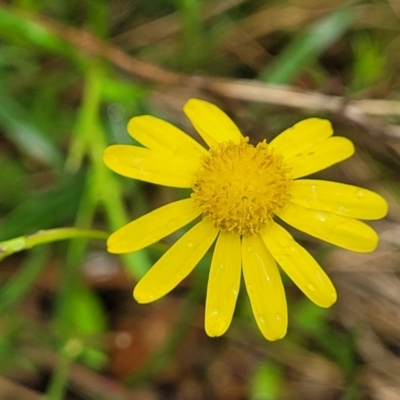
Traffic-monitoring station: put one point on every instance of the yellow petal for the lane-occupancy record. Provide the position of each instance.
(264, 287)
(340, 231)
(338, 198)
(223, 284)
(302, 136)
(176, 264)
(152, 227)
(320, 156)
(163, 137)
(150, 166)
(300, 266)
(213, 125)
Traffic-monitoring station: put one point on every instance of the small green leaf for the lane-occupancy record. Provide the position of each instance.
(266, 382)
(369, 61)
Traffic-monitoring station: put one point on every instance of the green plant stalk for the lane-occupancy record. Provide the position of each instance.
(26, 242)
(88, 139)
(191, 37)
(70, 274)
(98, 17)
(74, 297)
(22, 280)
(105, 186)
(57, 386)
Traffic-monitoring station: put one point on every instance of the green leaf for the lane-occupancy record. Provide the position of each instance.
(24, 134)
(45, 209)
(86, 313)
(13, 181)
(266, 382)
(86, 317)
(369, 61)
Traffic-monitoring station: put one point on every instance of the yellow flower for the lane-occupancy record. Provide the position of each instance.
(239, 190)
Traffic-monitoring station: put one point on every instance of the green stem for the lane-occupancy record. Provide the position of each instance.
(59, 379)
(71, 277)
(26, 242)
(58, 383)
(191, 49)
(106, 188)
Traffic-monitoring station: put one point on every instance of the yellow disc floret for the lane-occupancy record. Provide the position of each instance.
(240, 187)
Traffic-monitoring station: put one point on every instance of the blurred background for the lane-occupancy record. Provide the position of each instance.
(72, 73)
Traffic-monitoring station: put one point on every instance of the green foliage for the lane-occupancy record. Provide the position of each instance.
(60, 106)
(44, 209)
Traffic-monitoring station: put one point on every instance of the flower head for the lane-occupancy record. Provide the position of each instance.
(238, 191)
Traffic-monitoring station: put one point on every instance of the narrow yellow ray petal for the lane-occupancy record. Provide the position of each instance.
(163, 137)
(338, 198)
(264, 287)
(213, 125)
(149, 166)
(340, 231)
(299, 265)
(223, 284)
(320, 156)
(176, 264)
(301, 136)
(152, 227)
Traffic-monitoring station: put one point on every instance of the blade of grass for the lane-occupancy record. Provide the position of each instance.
(191, 53)
(307, 46)
(91, 137)
(18, 26)
(79, 312)
(58, 383)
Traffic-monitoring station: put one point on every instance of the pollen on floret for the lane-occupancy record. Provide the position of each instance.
(240, 187)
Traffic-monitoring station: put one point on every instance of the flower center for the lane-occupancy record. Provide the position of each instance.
(240, 187)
